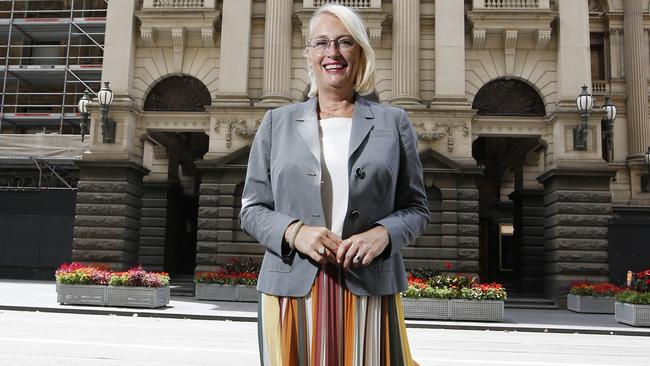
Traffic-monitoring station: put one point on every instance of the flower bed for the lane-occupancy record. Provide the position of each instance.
(452, 297)
(80, 284)
(585, 297)
(633, 305)
(234, 282)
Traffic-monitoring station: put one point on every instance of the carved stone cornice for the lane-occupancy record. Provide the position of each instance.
(199, 18)
(207, 35)
(178, 40)
(181, 121)
(510, 48)
(478, 37)
(148, 36)
(526, 21)
(235, 126)
(542, 38)
(486, 125)
(441, 130)
(578, 179)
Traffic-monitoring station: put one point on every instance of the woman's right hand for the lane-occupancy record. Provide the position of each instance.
(312, 240)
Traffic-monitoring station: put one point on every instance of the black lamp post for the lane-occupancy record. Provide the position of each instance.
(607, 125)
(584, 102)
(83, 110)
(647, 164)
(105, 97)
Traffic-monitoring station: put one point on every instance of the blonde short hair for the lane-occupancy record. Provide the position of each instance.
(364, 82)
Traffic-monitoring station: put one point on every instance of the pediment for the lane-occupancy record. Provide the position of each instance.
(433, 161)
(237, 160)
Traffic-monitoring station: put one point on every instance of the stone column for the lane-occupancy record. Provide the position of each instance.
(277, 52)
(577, 206)
(406, 52)
(636, 79)
(528, 219)
(119, 47)
(615, 35)
(107, 221)
(573, 49)
(450, 51)
(468, 220)
(219, 236)
(235, 49)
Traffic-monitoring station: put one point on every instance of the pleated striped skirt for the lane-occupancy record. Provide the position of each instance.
(332, 327)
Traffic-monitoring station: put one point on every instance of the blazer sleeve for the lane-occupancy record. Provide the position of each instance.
(411, 215)
(258, 217)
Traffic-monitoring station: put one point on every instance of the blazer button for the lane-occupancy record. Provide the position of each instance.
(354, 215)
(361, 173)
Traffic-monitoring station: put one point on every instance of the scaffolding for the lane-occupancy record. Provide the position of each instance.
(51, 51)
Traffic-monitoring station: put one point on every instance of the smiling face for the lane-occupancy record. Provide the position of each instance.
(334, 69)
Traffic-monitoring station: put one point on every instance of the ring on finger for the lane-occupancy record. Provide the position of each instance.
(321, 250)
(356, 259)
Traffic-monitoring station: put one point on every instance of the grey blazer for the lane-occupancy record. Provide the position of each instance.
(283, 185)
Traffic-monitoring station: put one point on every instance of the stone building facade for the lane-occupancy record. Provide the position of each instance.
(490, 86)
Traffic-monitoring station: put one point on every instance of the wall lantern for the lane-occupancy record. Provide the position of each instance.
(607, 126)
(83, 110)
(585, 103)
(105, 98)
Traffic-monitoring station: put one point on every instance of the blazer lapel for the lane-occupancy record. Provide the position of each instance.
(362, 124)
(308, 127)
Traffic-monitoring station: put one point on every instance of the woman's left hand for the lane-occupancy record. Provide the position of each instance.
(361, 249)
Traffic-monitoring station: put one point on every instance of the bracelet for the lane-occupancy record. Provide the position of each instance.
(294, 234)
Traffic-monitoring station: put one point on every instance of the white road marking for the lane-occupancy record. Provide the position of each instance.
(105, 344)
(455, 361)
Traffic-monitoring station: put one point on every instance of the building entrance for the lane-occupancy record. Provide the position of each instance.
(511, 213)
(168, 236)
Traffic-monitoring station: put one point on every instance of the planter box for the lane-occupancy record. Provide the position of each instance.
(637, 315)
(591, 304)
(482, 310)
(456, 309)
(242, 293)
(81, 294)
(138, 297)
(425, 308)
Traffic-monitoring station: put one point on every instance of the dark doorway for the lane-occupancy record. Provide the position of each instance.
(182, 197)
(505, 254)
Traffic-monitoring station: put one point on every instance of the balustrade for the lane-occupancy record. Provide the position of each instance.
(511, 4)
(178, 4)
(350, 3)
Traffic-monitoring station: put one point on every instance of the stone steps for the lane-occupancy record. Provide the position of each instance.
(522, 302)
(182, 285)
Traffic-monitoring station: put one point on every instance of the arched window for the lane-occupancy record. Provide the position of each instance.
(178, 93)
(511, 97)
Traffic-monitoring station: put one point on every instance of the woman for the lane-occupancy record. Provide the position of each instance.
(334, 190)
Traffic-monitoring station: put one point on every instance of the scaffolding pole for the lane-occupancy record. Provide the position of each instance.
(36, 75)
(67, 66)
(4, 80)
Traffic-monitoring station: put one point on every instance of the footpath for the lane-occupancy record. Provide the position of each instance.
(23, 295)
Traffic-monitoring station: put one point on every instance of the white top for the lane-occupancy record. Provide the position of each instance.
(335, 142)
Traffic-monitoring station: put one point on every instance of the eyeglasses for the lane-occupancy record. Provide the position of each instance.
(321, 45)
